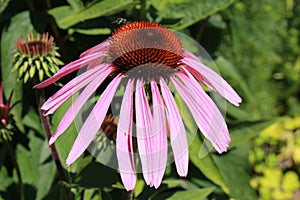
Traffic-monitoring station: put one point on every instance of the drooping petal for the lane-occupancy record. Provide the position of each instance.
(159, 135)
(93, 122)
(71, 67)
(78, 104)
(210, 78)
(71, 88)
(205, 113)
(143, 131)
(98, 48)
(177, 131)
(125, 151)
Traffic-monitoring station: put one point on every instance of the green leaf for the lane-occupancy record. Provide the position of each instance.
(245, 30)
(192, 194)
(234, 167)
(5, 180)
(191, 11)
(65, 17)
(30, 119)
(35, 169)
(20, 25)
(94, 31)
(206, 164)
(245, 131)
(65, 142)
(76, 4)
(97, 175)
(3, 4)
(227, 68)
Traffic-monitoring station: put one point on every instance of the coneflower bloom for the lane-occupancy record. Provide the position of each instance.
(139, 54)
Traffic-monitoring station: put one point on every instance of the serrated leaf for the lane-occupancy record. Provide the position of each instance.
(65, 17)
(192, 11)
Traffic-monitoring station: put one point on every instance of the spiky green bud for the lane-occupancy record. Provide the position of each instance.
(36, 57)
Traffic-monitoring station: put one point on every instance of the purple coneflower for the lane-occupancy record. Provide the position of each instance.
(143, 53)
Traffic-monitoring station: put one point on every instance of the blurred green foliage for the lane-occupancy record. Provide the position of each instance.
(275, 160)
(255, 45)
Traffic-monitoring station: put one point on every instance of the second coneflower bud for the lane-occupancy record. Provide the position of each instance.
(36, 57)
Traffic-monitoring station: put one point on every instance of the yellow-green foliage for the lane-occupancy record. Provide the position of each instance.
(275, 158)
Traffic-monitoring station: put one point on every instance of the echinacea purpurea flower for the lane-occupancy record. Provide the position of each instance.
(143, 53)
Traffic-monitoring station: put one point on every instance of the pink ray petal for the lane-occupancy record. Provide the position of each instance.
(92, 124)
(177, 131)
(210, 78)
(210, 107)
(159, 135)
(125, 151)
(205, 113)
(78, 104)
(71, 88)
(71, 67)
(143, 131)
(100, 47)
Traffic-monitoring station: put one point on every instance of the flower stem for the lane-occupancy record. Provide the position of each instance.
(15, 163)
(40, 96)
(128, 195)
(143, 10)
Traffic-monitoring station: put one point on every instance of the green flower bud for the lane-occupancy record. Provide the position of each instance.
(36, 57)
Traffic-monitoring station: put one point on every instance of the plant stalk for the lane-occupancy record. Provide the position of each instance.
(40, 97)
(15, 163)
(128, 195)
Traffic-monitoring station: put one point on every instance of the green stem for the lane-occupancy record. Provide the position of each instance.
(128, 195)
(40, 96)
(143, 10)
(15, 163)
(30, 5)
(201, 30)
